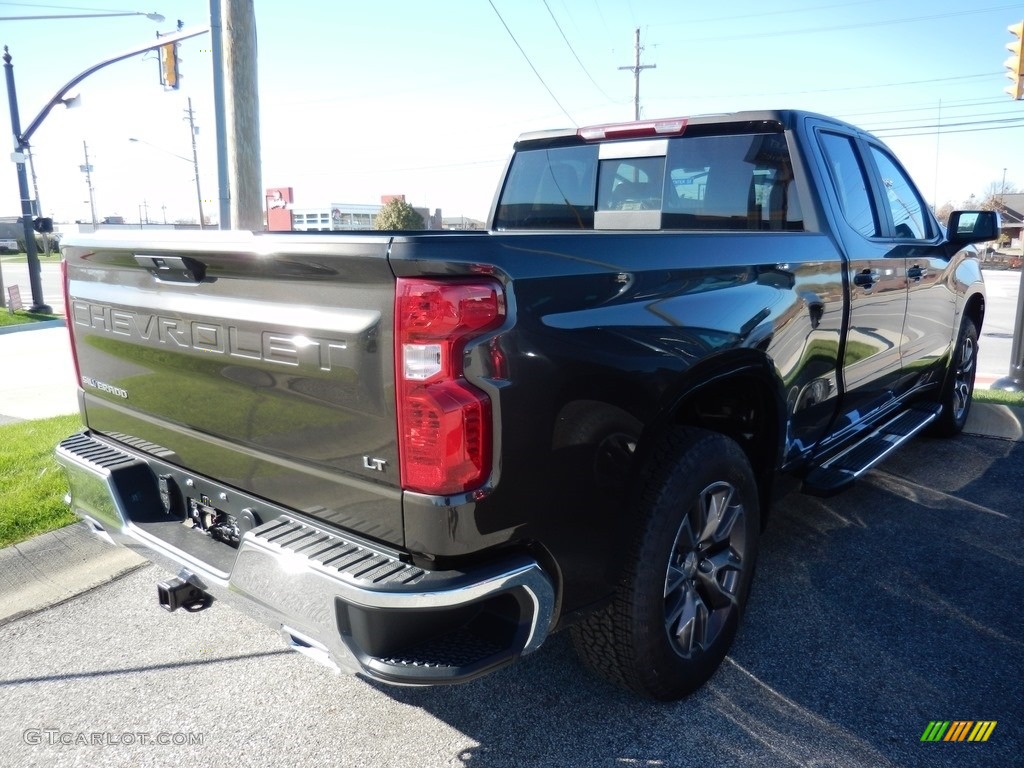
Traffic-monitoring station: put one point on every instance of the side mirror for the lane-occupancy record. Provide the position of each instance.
(966, 227)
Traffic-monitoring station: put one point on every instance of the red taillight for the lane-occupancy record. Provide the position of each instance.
(70, 320)
(444, 422)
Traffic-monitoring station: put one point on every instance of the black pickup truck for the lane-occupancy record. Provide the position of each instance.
(419, 454)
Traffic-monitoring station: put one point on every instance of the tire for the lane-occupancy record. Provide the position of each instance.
(958, 386)
(685, 584)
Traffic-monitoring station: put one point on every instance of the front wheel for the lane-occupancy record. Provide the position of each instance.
(688, 573)
(958, 387)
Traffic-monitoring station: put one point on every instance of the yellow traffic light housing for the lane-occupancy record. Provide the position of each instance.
(1015, 64)
(169, 65)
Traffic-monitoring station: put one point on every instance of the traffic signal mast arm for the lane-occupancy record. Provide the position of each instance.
(23, 137)
(171, 39)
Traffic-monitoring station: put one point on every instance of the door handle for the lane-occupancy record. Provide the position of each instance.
(916, 272)
(866, 278)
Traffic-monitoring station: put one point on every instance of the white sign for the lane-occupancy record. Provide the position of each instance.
(14, 299)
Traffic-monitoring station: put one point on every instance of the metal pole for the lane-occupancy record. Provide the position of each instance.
(1014, 380)
(195, 160)
(47, 241)
(220, 120)
(20, 147)
(35, 183)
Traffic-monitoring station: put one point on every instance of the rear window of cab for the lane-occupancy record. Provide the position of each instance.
(716, 182)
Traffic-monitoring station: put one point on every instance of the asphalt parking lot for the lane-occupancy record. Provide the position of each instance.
(873, 613)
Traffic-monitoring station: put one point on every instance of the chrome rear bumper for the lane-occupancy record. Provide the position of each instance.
(345, 601)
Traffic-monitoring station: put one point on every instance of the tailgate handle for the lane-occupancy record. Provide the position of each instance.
(178, 269)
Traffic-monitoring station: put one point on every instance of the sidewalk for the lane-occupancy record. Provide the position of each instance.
(37, 381)
(57, 566)
(37, 374)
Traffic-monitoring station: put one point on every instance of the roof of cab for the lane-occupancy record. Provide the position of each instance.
(587, 134)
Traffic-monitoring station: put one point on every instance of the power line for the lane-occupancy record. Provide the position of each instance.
(745, 16)
(950, 125)
(899, 84)
(904, 122)
(931, 130)
(879, 85)
(548, 89)
(573, 51)
(960, 104)
(841, 27)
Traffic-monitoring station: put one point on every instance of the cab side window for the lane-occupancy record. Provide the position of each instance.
(851, 183)
(908, 217)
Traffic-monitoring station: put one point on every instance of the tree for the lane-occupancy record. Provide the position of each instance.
(993, 199)
(398, 214)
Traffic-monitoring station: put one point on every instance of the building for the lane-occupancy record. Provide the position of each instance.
(1011, 211)
(282, 215)
(463, 222)
(337, 216)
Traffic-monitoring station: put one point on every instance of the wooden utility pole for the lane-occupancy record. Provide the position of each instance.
(87, 170)
(233, 24)
(635, 69)
(191, 117)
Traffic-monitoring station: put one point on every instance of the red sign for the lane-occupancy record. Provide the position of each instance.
(279, 215)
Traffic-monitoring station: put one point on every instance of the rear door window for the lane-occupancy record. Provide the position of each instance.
(905, 205)
(851, 183)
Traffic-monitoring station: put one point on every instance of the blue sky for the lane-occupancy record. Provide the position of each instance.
(363, 99)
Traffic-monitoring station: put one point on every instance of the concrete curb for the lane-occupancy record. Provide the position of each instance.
(999, 421)
(58, 323)
(57, 566)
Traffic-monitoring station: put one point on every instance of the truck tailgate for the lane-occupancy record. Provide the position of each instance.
(263, 361)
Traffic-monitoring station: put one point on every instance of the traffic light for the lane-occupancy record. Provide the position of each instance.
(169, 65)
(42, 224)
(1015, 64)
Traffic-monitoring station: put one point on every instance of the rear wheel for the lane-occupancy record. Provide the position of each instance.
(677, 608)
(958, 388)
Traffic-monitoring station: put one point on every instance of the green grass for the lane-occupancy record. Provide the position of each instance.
(999, 397)
(21, 317)
(22, 258)
(32, 485)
